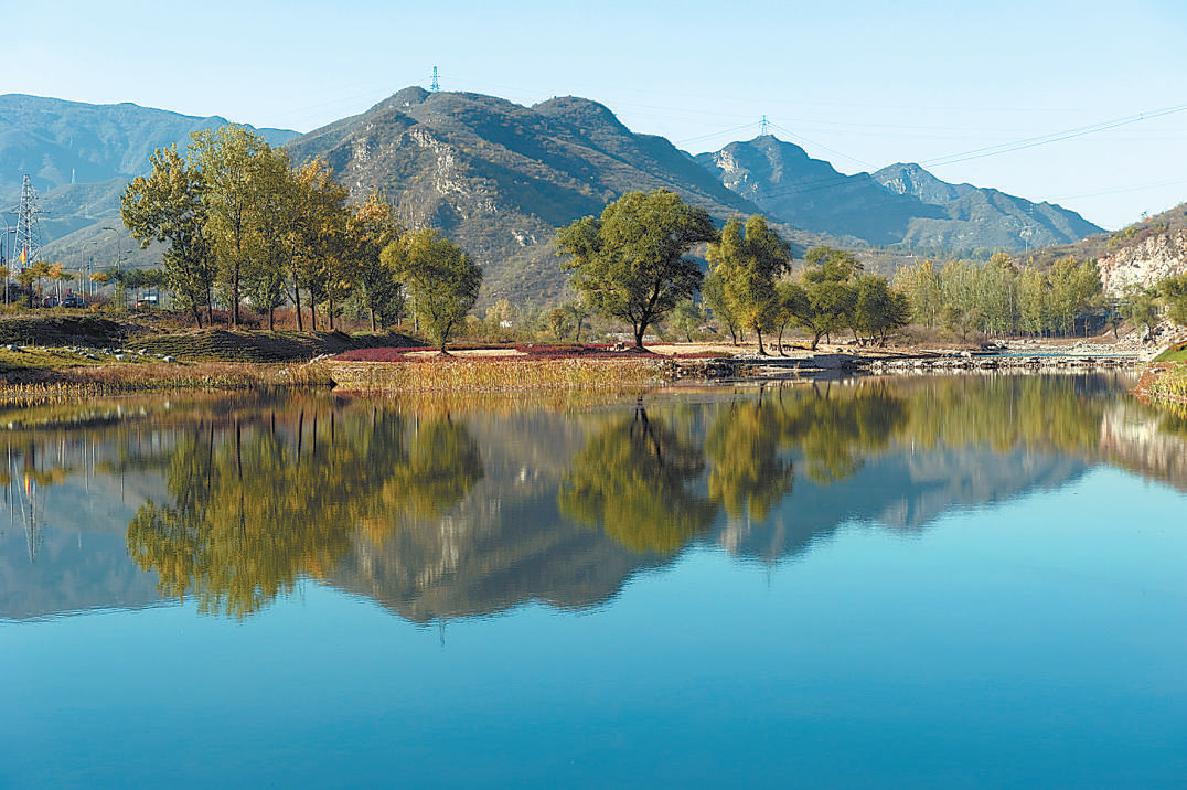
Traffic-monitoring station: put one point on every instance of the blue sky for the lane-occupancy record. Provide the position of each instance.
(860, 83)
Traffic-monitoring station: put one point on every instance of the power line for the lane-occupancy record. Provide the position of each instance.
(821, 146)
(1054, 137)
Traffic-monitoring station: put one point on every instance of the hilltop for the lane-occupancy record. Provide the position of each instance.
(499, 177)
(899, 206)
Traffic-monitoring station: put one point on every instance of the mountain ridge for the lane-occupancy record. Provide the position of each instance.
(500, 177)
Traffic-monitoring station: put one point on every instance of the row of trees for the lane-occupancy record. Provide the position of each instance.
(998, 298)
(240, 224)
(632, 264)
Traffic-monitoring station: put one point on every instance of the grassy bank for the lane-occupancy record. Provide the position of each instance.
(63, 384)
(1164, 382)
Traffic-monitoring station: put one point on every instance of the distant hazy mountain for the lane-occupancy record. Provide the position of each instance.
(809, 193)
(900, 205)
(499, 177)
(980, 218)
(61, 142)
(81, 157)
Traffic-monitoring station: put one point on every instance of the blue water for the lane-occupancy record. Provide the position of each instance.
(1029, 634)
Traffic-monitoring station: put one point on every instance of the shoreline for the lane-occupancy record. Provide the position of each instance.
(495, 373)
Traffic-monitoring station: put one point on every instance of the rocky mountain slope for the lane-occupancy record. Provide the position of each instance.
(1144, 253)
(809, 193)
(975, 218)
(499, 177)
(902, 205)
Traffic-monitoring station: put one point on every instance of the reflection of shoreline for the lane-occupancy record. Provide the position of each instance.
(1135, 437)
(440, 515)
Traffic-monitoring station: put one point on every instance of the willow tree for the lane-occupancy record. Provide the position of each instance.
(442, 280)
(749, 260)
(631, 263)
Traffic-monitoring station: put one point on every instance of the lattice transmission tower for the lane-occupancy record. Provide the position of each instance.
(27, 244)
(435, 85)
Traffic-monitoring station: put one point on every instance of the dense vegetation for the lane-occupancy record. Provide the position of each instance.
(999, 298)
(240, 224)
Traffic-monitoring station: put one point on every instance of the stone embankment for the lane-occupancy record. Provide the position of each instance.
(817, 364)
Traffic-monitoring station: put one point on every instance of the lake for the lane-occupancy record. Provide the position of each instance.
(919, 581)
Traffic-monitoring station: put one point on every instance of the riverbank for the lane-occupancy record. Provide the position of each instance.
(1165, 383)
(70, 361)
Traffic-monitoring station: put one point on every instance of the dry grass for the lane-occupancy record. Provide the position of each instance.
(1164, 383)
(101, 380)
(447, 375)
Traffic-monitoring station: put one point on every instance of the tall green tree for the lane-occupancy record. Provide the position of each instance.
(442, 280)
(372, 226)
(632, 263)
(318, 235)
(824, 299)
(877, 308)
(749, 260)
(713, 292)
(167, 206)
(234, 162)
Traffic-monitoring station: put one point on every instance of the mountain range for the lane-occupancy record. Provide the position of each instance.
(499, 178)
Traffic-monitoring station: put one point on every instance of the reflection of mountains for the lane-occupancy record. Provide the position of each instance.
(487, 556)
(899, 490)
(439, 513)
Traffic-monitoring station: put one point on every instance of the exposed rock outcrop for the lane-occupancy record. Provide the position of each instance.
(1145, 262)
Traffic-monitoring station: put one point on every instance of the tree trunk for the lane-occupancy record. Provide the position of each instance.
(374, 326)
(816, 339)
(271, 319)
(761, 350)
(297, 293)
(780, 341)
(639, 330)
(235, 298)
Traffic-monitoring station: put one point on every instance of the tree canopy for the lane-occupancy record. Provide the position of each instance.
(631, 263)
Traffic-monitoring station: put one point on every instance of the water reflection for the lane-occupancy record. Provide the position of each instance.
(447, 509)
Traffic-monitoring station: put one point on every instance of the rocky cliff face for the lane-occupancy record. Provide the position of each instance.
(1145, 262)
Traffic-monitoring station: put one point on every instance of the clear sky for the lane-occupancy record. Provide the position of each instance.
(861, 83)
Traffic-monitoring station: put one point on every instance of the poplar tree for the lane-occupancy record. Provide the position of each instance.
(749, 260)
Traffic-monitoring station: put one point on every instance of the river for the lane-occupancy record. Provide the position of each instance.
(926, 581)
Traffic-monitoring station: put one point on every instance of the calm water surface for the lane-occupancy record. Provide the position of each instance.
(951, 581)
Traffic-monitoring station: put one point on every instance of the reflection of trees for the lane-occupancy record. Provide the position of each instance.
(255, 507)
(747, 475)
(1060, 413)
(836, 428)
(634, 480)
